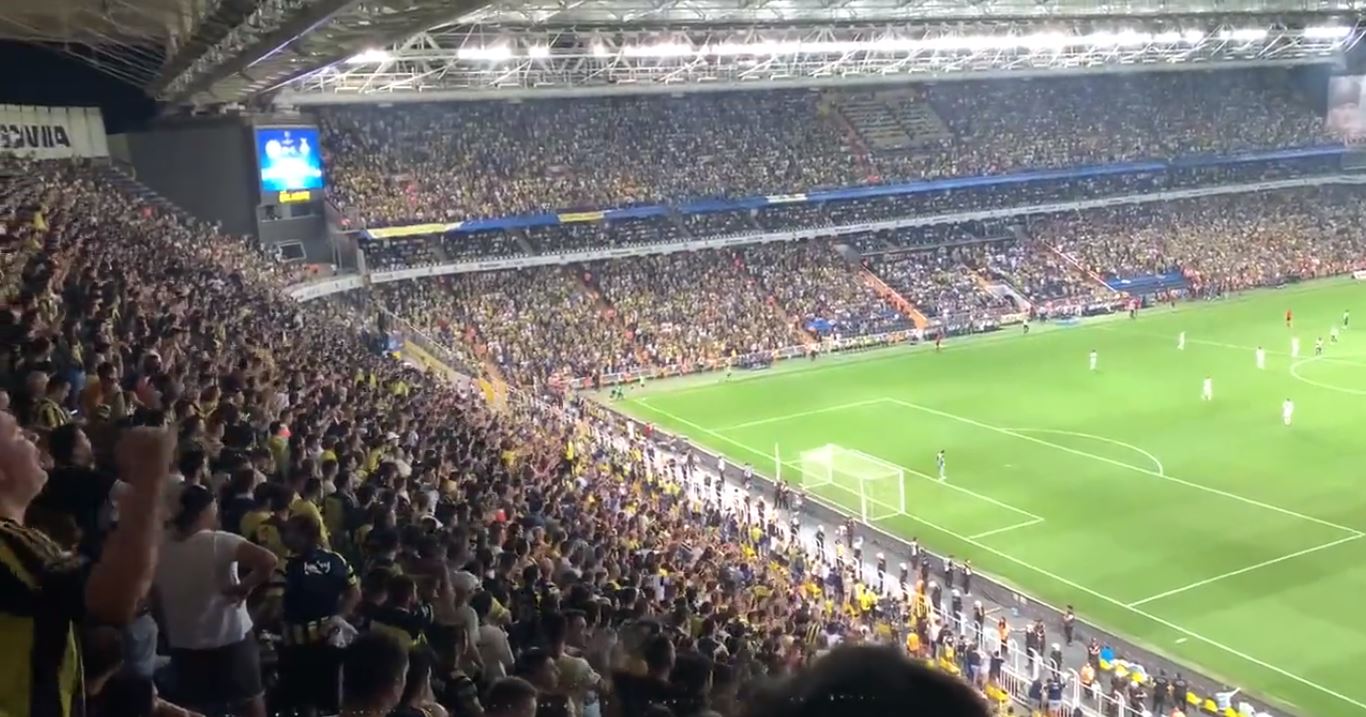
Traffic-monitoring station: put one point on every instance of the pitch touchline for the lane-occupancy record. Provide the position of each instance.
(1072, 584)
(1111, 461)
(1240, 571)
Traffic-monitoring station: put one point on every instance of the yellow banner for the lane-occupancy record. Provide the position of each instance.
(410, 230)
(581, 217)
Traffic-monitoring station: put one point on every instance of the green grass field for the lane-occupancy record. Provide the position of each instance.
(1207, 531)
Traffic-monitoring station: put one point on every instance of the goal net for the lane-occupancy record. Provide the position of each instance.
(878, 486)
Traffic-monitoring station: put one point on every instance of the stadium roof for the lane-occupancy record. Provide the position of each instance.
(480, 62)
(208, 52)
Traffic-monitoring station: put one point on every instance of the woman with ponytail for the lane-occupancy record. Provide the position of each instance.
(202, 582)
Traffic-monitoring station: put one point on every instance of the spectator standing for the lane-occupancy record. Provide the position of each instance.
(319, 587)
(48, 593)
(201, 597)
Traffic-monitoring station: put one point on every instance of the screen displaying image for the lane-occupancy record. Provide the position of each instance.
(289, 158)
(1346, 110)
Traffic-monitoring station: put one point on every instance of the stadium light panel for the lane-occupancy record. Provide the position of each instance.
(538, 52)
(373, 56)
(600, 50)
(661, 49)
(492, 53)
(1322, 32)
(1250, 34)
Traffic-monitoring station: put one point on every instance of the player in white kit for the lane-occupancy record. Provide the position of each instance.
(1207, 390)
(1287, 411)
(1095, 357)
(1333, 334)
(1261, 357)
(939, 460)
(1294, 347)
(1181, 341)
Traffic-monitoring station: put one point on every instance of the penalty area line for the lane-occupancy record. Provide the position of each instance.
(799, 414)
(1240, 571)
(998, 531)
(1075, 585)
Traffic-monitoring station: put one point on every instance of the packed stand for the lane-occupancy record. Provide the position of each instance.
(536, 325)
(400, 252)
(719, 224)
(303, 525)
(1043, 276)
(1011, 125)
(324, 531)
(1220, 243)
(692, 307)
(821, 290)
(940, 282)
(490, 159)
(449, 162)
(476, 246)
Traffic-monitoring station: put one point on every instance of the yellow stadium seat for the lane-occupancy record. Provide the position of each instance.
(1210, 707)
(1192, 700)
(1104, 666)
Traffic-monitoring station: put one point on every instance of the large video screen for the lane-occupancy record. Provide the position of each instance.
(289, 158)
(1347, 107)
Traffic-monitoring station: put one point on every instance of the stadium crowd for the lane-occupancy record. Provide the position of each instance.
(446, 162)
(1221, 243)
(207, 490)
(218, 501)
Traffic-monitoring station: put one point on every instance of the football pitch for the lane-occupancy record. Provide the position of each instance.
(1208, 531)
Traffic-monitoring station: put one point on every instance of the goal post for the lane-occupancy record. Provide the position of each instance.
(878, 486)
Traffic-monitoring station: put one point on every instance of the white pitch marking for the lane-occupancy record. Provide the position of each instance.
(1122, 464)
(1103, 439)
(800, 414)
(1024, 524)
(1240, 571)
(1295, 373)
(1076, 586)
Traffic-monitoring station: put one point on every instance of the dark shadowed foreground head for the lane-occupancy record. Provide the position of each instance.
(874, 681)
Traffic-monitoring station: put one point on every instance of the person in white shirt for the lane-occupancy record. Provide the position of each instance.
(1207, 390)
(492, 640)
(1294, 347)
(1287, 411)
(200, 593)
(1095, 358)
(1181, 341)
(1333, 334)
(1261, 357)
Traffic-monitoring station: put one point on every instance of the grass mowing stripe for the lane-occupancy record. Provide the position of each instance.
(1122, 464)
(1060, 579)
(1240, 571)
